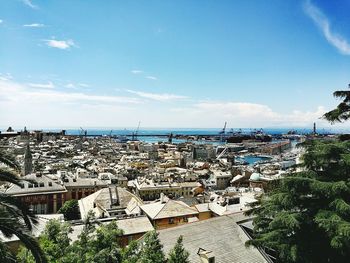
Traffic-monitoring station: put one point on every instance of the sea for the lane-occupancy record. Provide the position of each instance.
(185, 131)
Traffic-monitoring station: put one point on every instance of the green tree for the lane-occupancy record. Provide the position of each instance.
(178, 254)
(152, 249)
(96, 245)
(54, 241)
(131, 253)
(342, 111)
(70, 210)
(81, 247)
(105, 244)
(306, 218)
(15, 217)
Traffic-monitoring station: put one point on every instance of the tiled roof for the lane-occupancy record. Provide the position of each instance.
(221, 235)
(42, 185)
(169, 209)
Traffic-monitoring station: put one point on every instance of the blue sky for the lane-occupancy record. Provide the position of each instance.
(180, 63)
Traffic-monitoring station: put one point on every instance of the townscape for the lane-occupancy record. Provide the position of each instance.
(176, 131)
(146, 186)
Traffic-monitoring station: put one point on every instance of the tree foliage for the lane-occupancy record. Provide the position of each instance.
(306, 218)
(178, 254)
(152, 249)
(342, 111)
(100, 243)
(70, 210)
(54, 241)
(93, 245)
(131, 253)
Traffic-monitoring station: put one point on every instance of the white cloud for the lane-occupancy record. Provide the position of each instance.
(158, 97)
(323, 24)
(60, 44)
(43, 108)
(136, 71)
(151, 77)
(70, 86)
(250, 115)
(30, 4)
(48, 85)
(34, 25)
(76, 85)
(17, 91)
(5, 77)
(61, 107)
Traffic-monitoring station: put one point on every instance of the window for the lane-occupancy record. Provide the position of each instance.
(43, 208)
(171, 220)
(185, 219)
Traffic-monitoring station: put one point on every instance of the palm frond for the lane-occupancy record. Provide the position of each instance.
(9, 160)
(27, 240)
(18, 209)
(9, 176)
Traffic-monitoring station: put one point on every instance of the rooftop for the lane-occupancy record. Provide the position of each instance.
(168, 209)
(221, 235)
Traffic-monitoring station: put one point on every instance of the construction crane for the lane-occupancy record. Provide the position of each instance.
(83, 132)
(223, 129)
(110, 135)
(170, 138)
(222, 132)
(134, 134)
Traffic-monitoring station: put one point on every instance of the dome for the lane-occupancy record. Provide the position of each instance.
(255, 177)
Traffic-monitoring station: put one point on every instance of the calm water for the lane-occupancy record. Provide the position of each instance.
(213, 131)
(184, 131)
(253, 159)
(166, 131)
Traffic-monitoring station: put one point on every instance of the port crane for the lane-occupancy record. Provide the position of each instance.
(82, 132)
(110, 135)
(223, 129)
(222, 132)
(134, 134)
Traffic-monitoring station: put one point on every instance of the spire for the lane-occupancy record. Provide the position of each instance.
(28, 161)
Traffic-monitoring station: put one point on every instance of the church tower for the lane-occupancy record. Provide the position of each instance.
(28, 161)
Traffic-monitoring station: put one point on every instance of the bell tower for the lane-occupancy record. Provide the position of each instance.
(28, 161)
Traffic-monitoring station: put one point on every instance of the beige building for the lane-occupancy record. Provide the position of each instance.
(110, 202)
(82, 187)
(149, 190)
(169, 213)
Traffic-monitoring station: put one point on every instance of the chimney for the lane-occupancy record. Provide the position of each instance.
(206, 256)
(162, 198)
